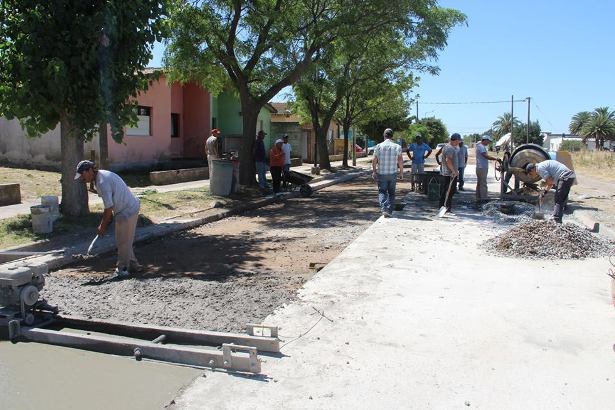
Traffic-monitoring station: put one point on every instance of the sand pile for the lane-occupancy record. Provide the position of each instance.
(546, 239)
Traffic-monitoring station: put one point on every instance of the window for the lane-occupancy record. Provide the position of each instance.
(144, 122)
(174, 125)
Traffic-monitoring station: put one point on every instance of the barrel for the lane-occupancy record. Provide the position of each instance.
(42, 221)
(222, 180)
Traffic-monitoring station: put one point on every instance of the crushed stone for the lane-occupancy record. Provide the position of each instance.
(549, 240)
(516, 211)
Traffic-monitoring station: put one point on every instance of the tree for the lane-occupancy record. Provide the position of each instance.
(600, 126)
(504, 125)
(75, 63)
(520, 134)
(264, 46)
(578, 122)
(437, 131)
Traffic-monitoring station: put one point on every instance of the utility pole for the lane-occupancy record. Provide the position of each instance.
(527, 137)
(512, 122)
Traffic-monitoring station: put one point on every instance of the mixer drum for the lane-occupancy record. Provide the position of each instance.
(525, 154)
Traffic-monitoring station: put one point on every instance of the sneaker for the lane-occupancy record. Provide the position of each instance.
(136, 267)
(122, 273)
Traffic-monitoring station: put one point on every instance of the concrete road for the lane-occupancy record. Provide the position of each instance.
(418, 316)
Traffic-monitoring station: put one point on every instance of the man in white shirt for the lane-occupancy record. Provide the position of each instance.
(286, 147)
(120, 204)
(212, 146)
(385, 166)
(482, 167)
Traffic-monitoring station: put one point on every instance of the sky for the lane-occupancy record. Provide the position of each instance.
(558, 53)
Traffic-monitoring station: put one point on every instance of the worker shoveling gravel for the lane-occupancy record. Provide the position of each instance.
(546, 239)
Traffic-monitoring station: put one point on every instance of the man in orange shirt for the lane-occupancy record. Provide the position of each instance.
(276, 163)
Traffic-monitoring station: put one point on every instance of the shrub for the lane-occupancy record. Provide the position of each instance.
(571, 146)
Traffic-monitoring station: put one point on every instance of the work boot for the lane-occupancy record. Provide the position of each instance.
(122, 273)
(136, 267)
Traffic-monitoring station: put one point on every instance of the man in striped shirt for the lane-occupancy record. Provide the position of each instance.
(387, 161)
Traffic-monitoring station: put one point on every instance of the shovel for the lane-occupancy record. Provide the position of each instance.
(91, 246)
(539, 214)
(443, 208)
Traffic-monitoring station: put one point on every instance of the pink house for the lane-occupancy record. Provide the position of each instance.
(174, 121)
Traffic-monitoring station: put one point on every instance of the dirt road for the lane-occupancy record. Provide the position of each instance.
(223, 275)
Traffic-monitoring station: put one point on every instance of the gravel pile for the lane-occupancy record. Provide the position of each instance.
(549, 240)
(509, 211)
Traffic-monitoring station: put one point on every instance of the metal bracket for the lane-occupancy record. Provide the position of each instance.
(227, 356)
(262, 330)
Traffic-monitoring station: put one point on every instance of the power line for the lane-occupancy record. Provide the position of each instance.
(472, 102)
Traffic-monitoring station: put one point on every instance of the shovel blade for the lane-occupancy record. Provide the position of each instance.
(442, 211)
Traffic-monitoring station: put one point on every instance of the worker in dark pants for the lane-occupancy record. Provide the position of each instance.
(449, 171)
(554, 173)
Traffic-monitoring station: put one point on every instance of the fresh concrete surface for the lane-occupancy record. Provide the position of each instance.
(35, 376)
(418, 316)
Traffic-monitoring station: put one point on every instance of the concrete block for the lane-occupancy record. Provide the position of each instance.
(296, 162)
(10, 194)
(178, 175)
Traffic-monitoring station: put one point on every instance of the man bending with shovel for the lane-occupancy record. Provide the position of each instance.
(557, 175)
(120, 204)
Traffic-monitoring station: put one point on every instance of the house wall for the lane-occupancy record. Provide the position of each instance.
(18, 149)
(197, 114)
(296, 137)
(230, 123)
(177, 107)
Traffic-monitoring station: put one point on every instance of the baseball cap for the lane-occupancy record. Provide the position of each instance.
(83, 166)
(455, 137)
(486, 137)
(279, 140)
(530, 167)
(388, 132)
(215, 130)
(285, 136)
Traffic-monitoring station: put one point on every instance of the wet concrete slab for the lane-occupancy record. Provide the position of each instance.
(38, 376)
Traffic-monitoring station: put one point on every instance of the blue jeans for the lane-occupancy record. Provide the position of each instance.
(261, 171)
(386, 192)
(460, 180)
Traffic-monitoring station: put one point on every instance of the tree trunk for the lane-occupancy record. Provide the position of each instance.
(323, 150)
(103, 147)
(345, 158)
(247, 170)
(74, 193)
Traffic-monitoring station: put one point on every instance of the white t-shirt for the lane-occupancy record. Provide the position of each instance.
(286, 148)
(481, 162)
(116, 194)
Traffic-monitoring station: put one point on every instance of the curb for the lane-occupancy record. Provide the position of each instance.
(107, 244)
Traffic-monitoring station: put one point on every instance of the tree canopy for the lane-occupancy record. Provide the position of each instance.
(598, 124)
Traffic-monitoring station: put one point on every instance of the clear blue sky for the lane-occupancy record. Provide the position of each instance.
(559, 53)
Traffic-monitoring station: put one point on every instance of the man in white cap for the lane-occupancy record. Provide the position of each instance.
(276, 163)
(120, 204)
(482, 167)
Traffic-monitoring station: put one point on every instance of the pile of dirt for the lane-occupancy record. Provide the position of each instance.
(509, 211)
(549, 240)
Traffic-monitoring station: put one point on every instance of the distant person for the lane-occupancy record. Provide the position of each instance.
(276, 164)
(482, 167)
(417, 152)
(385, 166)
(286, 147)
(120, 204)
(554, 173)
(462, 160)
(212, 146)
(260, 159)
(449, 170)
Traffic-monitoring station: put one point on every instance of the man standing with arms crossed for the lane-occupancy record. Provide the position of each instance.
(449, 171)
(385, 165)
(420, 151)
(120, 204)
(482, 167)
(260, 160)
(213, 150)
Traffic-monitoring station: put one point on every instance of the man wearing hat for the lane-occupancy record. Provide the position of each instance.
(554, 173)
(212, 146)
(417, 152)
(482, 167)
(449, 171)
(385, 165)
(286, 147)
(120, 204)
(276, 163)
(260, 159)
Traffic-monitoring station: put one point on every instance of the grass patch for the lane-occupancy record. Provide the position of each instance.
(598, 164)
(33, 183)
(160, 205)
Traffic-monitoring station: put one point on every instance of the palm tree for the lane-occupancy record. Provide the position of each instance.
(600, 126)
(504, 124)
(578, 121)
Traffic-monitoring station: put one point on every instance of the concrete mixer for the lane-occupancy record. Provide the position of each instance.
(515, 184)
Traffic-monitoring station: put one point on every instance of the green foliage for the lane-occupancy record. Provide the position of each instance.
(471, 138)
(520, 134)
(437, 131)
(74, 59)
(599, 124)
(504, 125)
(571, 145)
